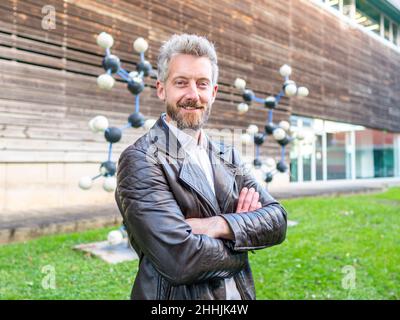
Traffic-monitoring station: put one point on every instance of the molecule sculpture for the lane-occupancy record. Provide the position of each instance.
(100, 124)
(280, 132)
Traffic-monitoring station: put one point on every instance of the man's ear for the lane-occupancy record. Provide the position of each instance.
(160, 90)
(214, 93)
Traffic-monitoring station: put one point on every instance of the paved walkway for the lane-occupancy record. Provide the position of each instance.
(31, 224)
(333, 187)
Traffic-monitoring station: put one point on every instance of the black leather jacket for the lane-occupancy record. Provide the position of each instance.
(157, 189)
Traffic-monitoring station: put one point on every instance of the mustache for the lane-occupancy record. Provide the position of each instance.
(190, 104)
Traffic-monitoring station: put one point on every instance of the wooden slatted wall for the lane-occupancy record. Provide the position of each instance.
(48, 88)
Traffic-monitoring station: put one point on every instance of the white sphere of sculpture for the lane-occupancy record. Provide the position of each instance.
(291, 89)
(105, 81)
(105, 40)
(242, 107)
(302, 92)
(246, 138)
(115, 237)
(110, 184)
(279, 134)
(285, 70)
(252, 129)
(98, 124)
(270, 162)
(240, 84)
(140, 45)
(285, 125)
(85, 183)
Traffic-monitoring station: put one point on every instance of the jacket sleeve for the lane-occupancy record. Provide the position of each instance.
(260, 228)
(158, 226)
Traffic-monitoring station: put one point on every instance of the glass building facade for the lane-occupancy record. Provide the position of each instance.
(333, 150)
(379, 17)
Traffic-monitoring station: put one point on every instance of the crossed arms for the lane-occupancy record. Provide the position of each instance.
(183, 250)
(217, 227)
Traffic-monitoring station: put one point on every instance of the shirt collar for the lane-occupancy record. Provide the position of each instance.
(187, 141)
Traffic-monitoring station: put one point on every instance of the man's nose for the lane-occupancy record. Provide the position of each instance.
(192, 93)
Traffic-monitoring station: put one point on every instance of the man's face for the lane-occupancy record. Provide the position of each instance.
(188, 91)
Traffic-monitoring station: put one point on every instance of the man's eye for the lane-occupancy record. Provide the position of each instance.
(203, 84)
(180, 83)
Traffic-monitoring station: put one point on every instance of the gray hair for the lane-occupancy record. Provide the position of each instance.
(186, 44)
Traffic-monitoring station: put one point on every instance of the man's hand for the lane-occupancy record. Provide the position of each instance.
(248, 200)
(214, 227)
(217, 227)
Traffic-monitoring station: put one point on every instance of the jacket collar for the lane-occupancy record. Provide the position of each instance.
(224, 171)
(166, 141)
(186, 140)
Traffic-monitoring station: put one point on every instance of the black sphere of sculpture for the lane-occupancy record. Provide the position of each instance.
(111, 62)
(259, 139)
(269, 128)
(270, 102)
(136, 119)
(257, 163)
(248, 95)
(286, 140)
(113, 134)
(108, 168)
(145, 67)
(135, 87)
(269, 176)
(281, 166)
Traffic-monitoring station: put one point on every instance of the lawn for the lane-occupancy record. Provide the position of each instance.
(343, 247)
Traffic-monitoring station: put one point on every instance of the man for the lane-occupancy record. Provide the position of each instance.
(191, 209)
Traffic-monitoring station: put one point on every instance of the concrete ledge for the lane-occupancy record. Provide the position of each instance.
(23, 226)
(21, 234)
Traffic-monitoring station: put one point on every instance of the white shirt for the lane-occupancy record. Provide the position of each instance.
(197, 152)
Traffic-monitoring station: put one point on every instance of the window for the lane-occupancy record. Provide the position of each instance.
(333, 150)
(386, 32)
(395, 34)
(375, 154)
(294, 151)
(336, 156)
(318, 157)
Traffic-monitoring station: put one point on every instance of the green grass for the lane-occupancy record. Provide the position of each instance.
(360, 231)
(78, 275)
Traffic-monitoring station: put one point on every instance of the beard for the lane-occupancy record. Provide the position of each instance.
(189, 120)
